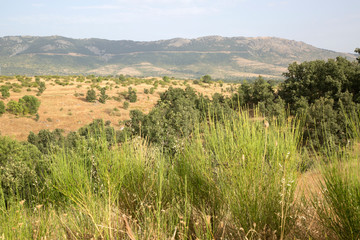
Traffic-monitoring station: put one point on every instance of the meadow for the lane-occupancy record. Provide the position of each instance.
(205, 160)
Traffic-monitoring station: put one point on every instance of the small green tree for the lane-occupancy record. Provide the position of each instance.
(166, 79)
(152, 90)
(132, 97)
(41, 88)
(91, 95)
(15, 108)
(5, 93)
(126, 105)
(206, 79)
(2, 108)
(22, 169)
(103, 97)
(30, 104)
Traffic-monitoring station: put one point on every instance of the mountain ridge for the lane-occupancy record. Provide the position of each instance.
(221, 57)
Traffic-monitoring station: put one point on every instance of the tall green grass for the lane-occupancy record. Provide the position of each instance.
(230, 180)
(244, 171)
(338, 206)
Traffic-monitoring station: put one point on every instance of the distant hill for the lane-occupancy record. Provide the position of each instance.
(220, 57)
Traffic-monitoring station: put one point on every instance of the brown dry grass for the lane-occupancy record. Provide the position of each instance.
(60, 108)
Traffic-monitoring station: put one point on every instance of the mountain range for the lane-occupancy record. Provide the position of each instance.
(220, 57)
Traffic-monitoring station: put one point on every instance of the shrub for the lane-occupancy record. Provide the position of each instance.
(166, 79)
(47, 141)
(15, 107)
(21, 169)
(41, 88)
(173, 117)
(132, 97)
(91, 95)
(2, 108)
(16, 90)
(5, 93)
(30, 104)
(126, 105)
(103, 97)
(206, 79)
(146, 91)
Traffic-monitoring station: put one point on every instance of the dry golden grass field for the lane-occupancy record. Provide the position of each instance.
(65, 107)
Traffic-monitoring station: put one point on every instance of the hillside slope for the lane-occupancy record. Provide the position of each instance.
(221, 57)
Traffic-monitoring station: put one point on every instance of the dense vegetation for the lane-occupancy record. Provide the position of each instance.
(26, 105)
(225, 167)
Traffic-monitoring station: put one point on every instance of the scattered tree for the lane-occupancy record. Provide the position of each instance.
(206, 79)
(91, 95)
(103, 97)
(132, 97)
(126, 105)
(5, 93)
(30, 104)
(2, 108)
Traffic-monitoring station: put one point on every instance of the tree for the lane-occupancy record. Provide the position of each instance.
(103, 96)
(5, 92)
(91, 95)
(41, 88)
(22, 169)
(324, 92)
(2, 108)
(126, 105)
(357, 50)
(166, 79)
(30, 104)
(131, 96)
(316, 79)
(206, 79)
(14, 107)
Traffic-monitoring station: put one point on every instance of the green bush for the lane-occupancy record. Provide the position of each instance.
(41, 88)
(152, 90)
(30, 104)
(15, 107)
(174, 117)
(91, 95)
(126, 105)
(166, 79)
(26, 105)
(47, 141)
(206, 79)
(132, 97)
(5, 93)
(22, 169)
(2, 108)
(103, 97)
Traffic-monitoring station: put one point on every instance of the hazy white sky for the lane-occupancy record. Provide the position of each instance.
(329, 24)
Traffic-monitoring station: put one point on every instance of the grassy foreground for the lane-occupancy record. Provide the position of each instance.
(231, 180)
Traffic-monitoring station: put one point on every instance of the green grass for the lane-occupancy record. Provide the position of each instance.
(229, 180)
(338, 206)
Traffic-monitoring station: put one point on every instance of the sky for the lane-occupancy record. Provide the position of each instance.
(327, 24)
